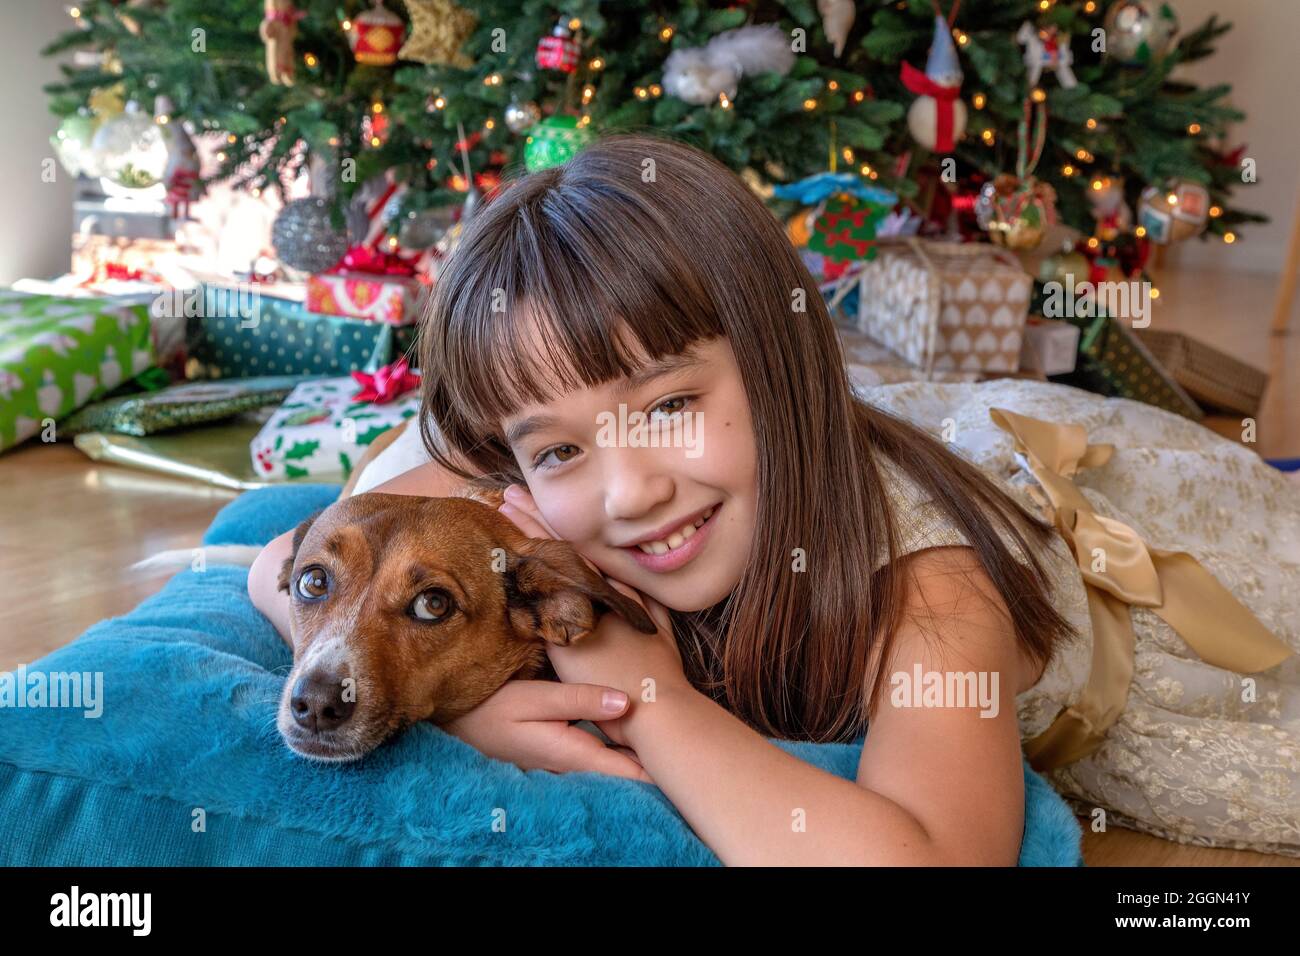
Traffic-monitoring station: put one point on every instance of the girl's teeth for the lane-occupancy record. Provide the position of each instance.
(677, 538)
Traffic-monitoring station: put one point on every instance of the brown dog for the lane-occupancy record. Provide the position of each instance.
(406, 608)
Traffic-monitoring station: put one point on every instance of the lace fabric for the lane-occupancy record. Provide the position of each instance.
(1200, 755)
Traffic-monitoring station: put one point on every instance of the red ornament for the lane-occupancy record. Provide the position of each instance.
(387, 384)
(376, 36)
(559, 51)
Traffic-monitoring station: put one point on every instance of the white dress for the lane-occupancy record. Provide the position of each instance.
(1188, 759)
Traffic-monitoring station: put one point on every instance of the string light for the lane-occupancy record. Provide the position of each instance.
(1172, 199)
(231, 138)
(588, 92)
(74, 12)
(1229, 237)
(492, 79)
(1044, 4)
(666, 34)
(374, 141)
(162, 119)
(597, 64)
(347, 25)
(961, 38)
(489, 124)
(333, 140)
(656, 89)
(988, 137)
(377, 106)
(724, 101)
(833, 85)
(1155, 293)
(1098, 185)
(575, 24)
(439, 102)
(979, 99)
(865, 170)
(1093, 242)
(810, 104)
(221, 156)
(1140, 232)
(1091, 124)
(1216, 212)
(1090, 7)
(859, 96)
(848, 155)
(1039, 94)
(1067, 170)
(640, 92)
(310, 59)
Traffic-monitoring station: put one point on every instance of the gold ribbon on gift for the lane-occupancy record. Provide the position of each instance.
(1120, 571)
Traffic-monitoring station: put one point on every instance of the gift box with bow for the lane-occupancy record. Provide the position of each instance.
(369, 284)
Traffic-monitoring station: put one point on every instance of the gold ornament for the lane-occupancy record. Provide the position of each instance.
(107, 101)
(438, 30)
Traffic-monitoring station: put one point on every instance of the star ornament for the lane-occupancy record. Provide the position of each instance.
(438, 30)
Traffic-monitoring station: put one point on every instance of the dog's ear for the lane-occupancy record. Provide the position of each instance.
(300, 532)
(552, 593)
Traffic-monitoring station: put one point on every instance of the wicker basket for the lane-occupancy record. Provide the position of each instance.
(1208, 375)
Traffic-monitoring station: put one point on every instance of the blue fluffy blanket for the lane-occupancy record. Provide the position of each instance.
(184, 765)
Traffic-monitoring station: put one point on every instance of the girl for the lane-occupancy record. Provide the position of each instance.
(810, 559)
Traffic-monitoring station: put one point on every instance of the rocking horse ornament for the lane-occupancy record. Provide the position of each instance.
(1047, 48)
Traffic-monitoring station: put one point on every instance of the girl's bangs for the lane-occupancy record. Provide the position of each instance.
(567, 323)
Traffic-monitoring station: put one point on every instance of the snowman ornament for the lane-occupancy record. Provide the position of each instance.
(937, 117)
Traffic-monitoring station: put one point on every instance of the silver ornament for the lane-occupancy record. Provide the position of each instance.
(422, 230)
(304, 238)
(1138, 32)
(521, 116)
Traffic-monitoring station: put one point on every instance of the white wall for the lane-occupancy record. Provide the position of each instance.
(36, 217)
(1260, 58)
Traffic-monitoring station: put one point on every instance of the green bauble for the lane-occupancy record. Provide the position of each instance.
(555, 140)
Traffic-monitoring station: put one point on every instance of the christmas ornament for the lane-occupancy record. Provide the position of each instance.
(1047, 47)
(837, 20)
(559, 51)
(1175, 212)
(71, 142)
(1017, 210)
(279, 27)
(1106, 197)
(439, 29)
(846, 216)
(375, 35)
(1139, 31)
(704, 74)
(130, 149)
(522, 116)
(1067, 267)
(181, 174)
(937, 117)
(304, 238)
(107, 101)
(555, 140)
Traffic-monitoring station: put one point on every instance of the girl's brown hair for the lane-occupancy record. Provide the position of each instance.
(650, 236)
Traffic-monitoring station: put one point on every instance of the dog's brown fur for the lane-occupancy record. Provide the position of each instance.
(376, 554)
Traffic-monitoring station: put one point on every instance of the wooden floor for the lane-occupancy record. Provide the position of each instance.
(70, 527)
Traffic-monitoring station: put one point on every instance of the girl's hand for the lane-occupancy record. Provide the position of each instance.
(615, 654)
(526, 722)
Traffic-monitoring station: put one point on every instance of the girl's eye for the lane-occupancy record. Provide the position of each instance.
(313, 584)
(432, 605)
(671, 406)
(562, 454)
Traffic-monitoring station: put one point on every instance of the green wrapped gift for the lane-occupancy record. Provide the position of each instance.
(57, 354)
(238, 333)
(1112, 361)
(180, 406)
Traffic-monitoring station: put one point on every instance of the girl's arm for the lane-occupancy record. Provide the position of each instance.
(935, 785)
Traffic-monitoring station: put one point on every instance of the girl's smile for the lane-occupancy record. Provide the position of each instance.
(673, 546)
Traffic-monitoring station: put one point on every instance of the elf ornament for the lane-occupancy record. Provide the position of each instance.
(1138, 32)
(439, 29)
(375, 35)
(937, 117)
(1047, 48)
(279, 27)
(1106, 197)
(1175, 212)
(559, 51)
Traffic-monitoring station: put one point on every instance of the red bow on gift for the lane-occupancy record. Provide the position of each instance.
(374, 262)
(390, 382)
(920, 84)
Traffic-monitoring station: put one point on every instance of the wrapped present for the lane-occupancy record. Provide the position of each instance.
(369, 284)
(324, 426)
(240, 333)
(1049, 346)
(58, 354)
(940, 305)
(1113, 361)
(1212, 378)
(180, 406)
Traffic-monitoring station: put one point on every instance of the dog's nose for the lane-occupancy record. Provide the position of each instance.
(319, 702)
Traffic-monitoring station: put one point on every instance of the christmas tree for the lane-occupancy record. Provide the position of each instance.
(1066, 100)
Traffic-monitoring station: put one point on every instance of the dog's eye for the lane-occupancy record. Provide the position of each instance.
(432, 605)
(313, 584)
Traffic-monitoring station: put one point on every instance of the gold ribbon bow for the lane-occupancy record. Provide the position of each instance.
(1119, 570)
